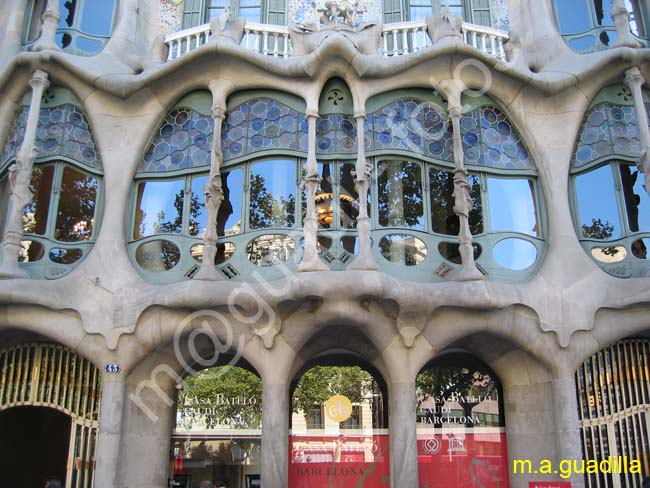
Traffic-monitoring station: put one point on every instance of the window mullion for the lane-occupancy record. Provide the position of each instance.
(485, 204)
(620, 199)
(54, 201)
(187, 206)
(246, 211)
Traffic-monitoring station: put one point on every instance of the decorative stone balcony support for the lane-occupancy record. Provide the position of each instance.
(20, 176)
(363, 175)
(49, 26)
(310, 260)
(621, 18)
(634, 81)
(462, 197)
(213, 194)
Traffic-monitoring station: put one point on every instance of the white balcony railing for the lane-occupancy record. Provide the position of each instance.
(398, 39)
(402, 38)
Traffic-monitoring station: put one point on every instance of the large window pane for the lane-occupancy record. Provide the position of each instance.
(76, 212)
(34, 30)
(159, 208)
(599, 218)
(224, 405)
(338, 429)
(443, 218)
(67, 9)
(637, 203)
(325, 197)
(573, 16)
(98, 17)
(512, 206)
(460, 425)
(229, 217)
(36, 212)
(349, 197)
(273, 194)
(399, 198)
(198, 219)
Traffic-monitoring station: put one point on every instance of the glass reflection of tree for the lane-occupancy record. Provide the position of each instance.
(320, 383)
(226, 382)
(225, 211)
(439, 384)
(175, 226)
(400, 194)
(268, 211)
(600, 230)
(443, 218)
(76, 210)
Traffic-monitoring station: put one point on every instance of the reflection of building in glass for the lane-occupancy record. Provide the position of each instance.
(417, 229)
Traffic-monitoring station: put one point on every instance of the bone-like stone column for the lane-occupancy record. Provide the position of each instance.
(50, 23)
(634, 80)
(213, 197)
(20, 176)
(363, 170)
(568, 442)
(403, 439)
(311, 260)
(621, 18)
(462, 199)
(275, 434)
(110, 432)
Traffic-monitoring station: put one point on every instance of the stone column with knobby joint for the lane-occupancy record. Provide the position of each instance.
(20, 177)
(213, 191)
(634, 81)
(311, 260)
(50, 23)
(621, 18)
(363, 175)
(462, 199)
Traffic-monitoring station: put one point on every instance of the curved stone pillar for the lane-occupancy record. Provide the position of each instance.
(275, 434)
(403, 439)
(108, 450)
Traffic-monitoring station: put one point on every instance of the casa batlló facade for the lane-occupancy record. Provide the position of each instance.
(289, 244)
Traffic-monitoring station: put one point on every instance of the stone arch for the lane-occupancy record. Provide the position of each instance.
(48, 375)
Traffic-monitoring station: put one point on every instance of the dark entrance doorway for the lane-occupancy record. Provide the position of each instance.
(34, 445)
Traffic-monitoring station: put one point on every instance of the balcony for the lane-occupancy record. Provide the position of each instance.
(398, 39)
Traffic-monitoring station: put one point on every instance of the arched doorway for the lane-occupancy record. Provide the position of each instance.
(460, 424)
(613, 388)
(49, 416)
(218, 429)
(339, 425)
(33, 446)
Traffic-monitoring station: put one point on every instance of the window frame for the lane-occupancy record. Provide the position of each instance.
(74, 29)
(613, 163)
(202, 8)
(437, 7)
(595, 30)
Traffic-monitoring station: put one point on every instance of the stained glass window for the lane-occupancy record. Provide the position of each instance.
(262, 124)
(607, 129)
(62, 131)
(183, 141)
(411, 125)
(490, 139)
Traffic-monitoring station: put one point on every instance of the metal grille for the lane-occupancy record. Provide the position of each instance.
(49, 375)
(614, 407)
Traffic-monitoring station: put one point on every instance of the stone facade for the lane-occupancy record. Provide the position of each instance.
(533, 333)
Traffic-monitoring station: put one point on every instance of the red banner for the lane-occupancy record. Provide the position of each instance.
(343, 461)
(463, 460)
